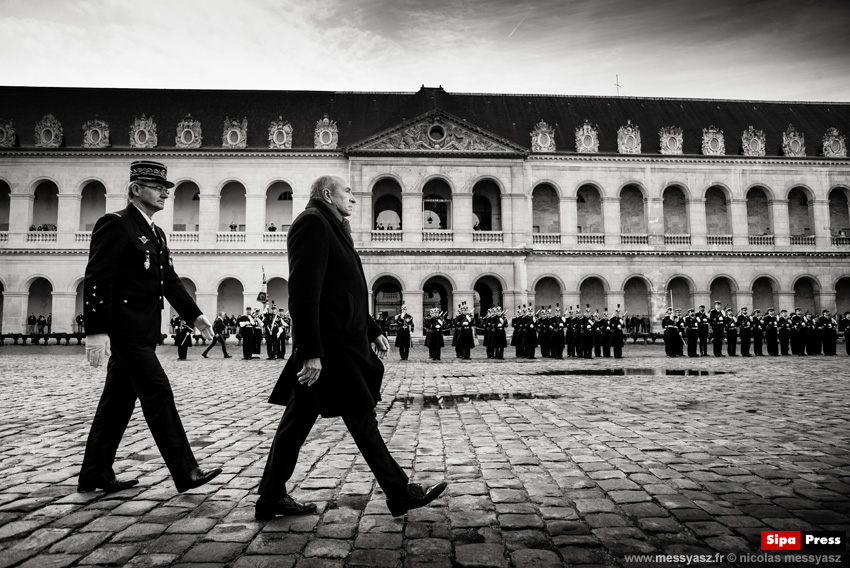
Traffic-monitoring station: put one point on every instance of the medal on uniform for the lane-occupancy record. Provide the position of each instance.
(147, 261)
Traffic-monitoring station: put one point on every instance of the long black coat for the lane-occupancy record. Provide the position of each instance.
(128, 274)
(328, 303)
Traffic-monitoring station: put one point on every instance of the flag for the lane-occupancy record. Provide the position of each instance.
(263, 296)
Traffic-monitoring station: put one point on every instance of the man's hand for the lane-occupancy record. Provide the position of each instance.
(310, 371)
(382, 345)
(204, 326)
(98, 349)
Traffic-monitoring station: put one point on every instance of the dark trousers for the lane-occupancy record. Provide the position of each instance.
(271, 346)
(183, 351)
(718, 341)
(217, 338)
(134, 372)
(745, 343)
(693, 337)
(731, 341)
(499, 352)
(295, 426)
(247, 342)
(703, 342)
(770, 337)
(404, 353)
(757, 344)
(434, 353)
(784, 338)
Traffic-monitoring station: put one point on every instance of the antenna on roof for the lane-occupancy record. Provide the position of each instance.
(617, 84)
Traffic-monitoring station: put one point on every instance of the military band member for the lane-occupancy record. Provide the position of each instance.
(586, 324)
(731, 325)
(268, 318)
(717, 320)
(258, 332)
(617, 338)
(605, 326)
(703, 326)
(569, 333)
(544, 329)
(498, 336)
(529, 334)
(783, 322)
(692, 326)
(246, 331)
(745, 326)
(434, 325)
(403, 339)
(182, 339)
(829, 335)
(464, 332)
(770, 323)
(798, 325)
(812, 341)
(758, 333)
(558, 339)
(516, 336)
(844, 326)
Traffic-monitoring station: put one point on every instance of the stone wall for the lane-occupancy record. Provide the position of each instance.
(589, 210)
(632, 211)
(675, 211)
(545, 210)
(758, 212)
(716, 212)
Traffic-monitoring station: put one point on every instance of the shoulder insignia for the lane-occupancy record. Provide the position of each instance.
(114, 213)
(144, 240)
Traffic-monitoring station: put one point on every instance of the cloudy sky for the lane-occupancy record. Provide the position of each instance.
(738, 49)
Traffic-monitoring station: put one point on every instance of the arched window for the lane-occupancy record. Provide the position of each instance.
(386, 295)
(763, 295)
(632, 211)
(231, 212)
(592, 292)
(230, 297)
(839, 213)
(545, 210)
(45, 209)
(486, 206)
(278, 206)
(722, 291)
(40, 300)
(675, 207)
(547, 292)
(5, 205)
(92, 205)
(186, 207)
(799, 213)
(716, 212)
(436, 205)
(679, 289)
(805, 290)
(589, 210)
(437, 294)
(488, 294)
(758, 212)
(386, 205)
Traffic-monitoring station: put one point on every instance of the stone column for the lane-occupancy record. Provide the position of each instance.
(460, 296)
(825, 300)
(614, 297)
(506, 204)
(611, 220)
(520, 222)
(361, 221)
(655, 220)
(64, 304)
(568, 212)
(411, 216)
(820, 219)
(462, 217)
(117, 201)
(658, 302)
(696, 222)
(255, 219)
(20, 218)
(738, 216)
(208, 219)
(702, 298)
(743, 299)
(68, 218)
(413, 301)
(15, 311)
(785, 301)
(781, 225)
(570, 300)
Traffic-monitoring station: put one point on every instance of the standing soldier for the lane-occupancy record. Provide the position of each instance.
(465, 335)
(218, 337)
(811, 342)
(258, 332)
(758, 333)
(784, 325)
(828, 333)
(606, 334)
(183, 339)
(49, 322)
(692, 327)
(617, 337)
(745, 324)
(731, 324)
(268, 318)
(771, 328)
(246, 330)
(587, 334)
(844, 325)
(498, 337)
(569, 333)
(529, 335)
(516, 336)
(717, 319)
(79, 321)
(403, 340)
(798, 324)
(557, 342)
(668, 326)
(703, 325)
(284, 327)
(545, 329)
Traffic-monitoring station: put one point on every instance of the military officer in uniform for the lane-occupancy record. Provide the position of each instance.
(844, 327)
(771, 328)
(758, 333)
(731, 324)
(829, 335)
(717, 319)
(403, 341)
(703, 325)
(784, 324)
(129, 273)
(617, 338)
(797, 323)
(182, 339)
(692, 329)
(745, 324)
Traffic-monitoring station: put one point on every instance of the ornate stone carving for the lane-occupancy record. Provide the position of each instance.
(280, 134)
(670, 140)
(753, 142)
(587, 139)
(235, 134)
(713, 142)
(325, 137)
(143, 133)
(95, 134)
(188, 133)
(7, 133)
(793, 142)
(48, 132)
(628, 139)
(437, 133)
(834, 145)
(543, 138)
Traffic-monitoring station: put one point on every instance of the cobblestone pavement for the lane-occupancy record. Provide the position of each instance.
(545, 469)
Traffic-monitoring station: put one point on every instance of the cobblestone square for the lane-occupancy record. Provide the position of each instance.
(550, 463)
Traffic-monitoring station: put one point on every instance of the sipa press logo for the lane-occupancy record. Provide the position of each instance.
(802, 540)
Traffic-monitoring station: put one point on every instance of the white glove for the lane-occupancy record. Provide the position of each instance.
(204, 326)
(98, 349)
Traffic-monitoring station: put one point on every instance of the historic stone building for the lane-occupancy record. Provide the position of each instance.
(482, 198)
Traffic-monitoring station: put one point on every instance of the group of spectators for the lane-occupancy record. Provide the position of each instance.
(40, 324)
(387, 227)
(43, 227)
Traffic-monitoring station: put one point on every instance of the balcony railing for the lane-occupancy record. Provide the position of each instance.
(836, 241)
(803, 240)
(761, 240)
(183, 237)
(230, 237)
(634, 239)
(82, 237)
(4, 236)
(41, 237)
(546, 238)
(719, 240)
(437, 236)
(487, 237)
(274, 237)
(387, 236)
(591, 239)
(677, 239)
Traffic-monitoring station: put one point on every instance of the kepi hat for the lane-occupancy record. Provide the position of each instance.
(148, 170)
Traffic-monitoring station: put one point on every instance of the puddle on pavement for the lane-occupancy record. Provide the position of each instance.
(450, 400)
(629, 371)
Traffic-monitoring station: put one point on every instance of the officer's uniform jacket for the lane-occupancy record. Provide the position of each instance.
(128, 275)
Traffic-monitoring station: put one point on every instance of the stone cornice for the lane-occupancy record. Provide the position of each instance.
(691, 159)
(174, 153)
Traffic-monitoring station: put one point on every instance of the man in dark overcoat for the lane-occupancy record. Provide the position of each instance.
(333, 370)
(128, 274)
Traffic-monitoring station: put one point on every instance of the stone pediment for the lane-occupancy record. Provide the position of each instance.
(436, 131)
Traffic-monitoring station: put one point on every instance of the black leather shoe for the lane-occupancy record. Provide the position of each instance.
(417, 496)
(107, 486)
(266, 510)
(204, 355)
(196, 478)
(228, 356)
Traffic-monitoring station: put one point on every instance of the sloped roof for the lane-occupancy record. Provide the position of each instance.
(360, 115)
